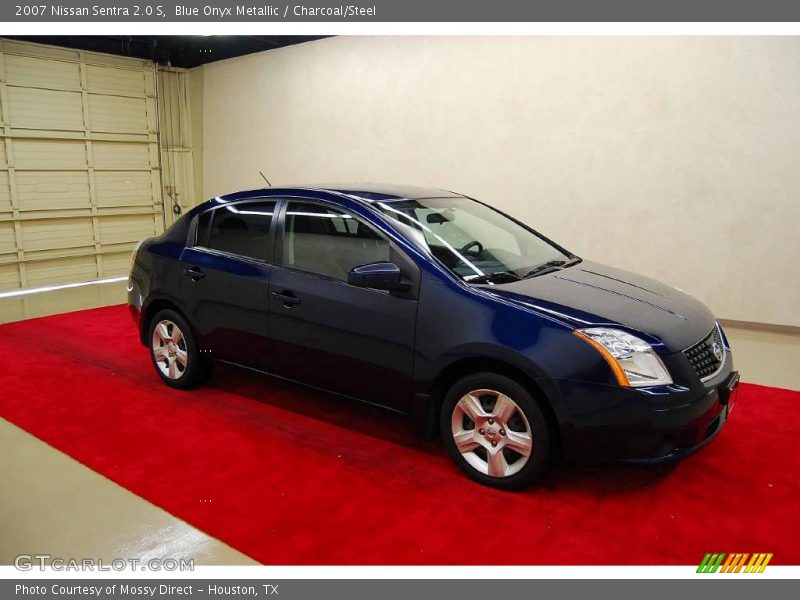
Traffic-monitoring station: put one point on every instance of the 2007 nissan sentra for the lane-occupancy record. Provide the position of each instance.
(445, 309)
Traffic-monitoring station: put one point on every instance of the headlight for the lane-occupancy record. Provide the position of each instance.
(632, 360)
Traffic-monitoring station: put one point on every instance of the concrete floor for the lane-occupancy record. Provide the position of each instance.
(52, 504)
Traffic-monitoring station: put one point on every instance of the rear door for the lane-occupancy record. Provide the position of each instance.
(327, 333)
(225, 278)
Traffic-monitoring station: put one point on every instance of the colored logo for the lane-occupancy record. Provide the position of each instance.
(737, 562)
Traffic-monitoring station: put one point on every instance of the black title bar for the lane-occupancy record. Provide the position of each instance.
(402, 11)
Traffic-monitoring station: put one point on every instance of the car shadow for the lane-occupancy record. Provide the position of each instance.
(607, 479)
(348, 413)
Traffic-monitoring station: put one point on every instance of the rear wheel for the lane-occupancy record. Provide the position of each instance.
(495, 431)
(174, 351)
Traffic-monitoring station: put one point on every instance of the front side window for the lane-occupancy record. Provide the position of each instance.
(241, 229)
(326, 241)
(473, 240)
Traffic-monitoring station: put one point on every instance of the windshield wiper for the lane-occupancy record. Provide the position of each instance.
(496, 277)
(548, 267)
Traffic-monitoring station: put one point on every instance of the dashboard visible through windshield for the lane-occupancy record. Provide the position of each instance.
(474, 241)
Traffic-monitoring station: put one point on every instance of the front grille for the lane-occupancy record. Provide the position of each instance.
(702, 356)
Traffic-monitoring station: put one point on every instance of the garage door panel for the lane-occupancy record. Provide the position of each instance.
(9, 278)
(44, 234)
(45, 109)
(110, 79)
(117, 113)
(39, 51)
(57, 253)
(115, 230)
(5, 192)
(7, 237)
(120, 155)
(49, 154)
(112, 60)
(117, 263)
(65, 270)
(129, 211)
(79, 166)
(42, 72)
(123, 188)
(47, 190)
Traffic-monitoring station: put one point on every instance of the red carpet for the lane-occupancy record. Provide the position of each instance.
(290, 476)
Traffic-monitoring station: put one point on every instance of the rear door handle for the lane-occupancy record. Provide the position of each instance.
(287, 298)
(195, 273)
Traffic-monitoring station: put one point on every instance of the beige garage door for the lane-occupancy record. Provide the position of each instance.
(79, 166)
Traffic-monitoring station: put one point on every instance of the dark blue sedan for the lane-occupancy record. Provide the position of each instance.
(445, 309)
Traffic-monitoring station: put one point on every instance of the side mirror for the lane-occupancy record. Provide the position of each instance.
(377, 275)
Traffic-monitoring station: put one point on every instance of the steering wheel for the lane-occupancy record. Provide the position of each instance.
(467, 246)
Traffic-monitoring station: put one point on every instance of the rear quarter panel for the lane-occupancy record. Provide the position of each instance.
(155, 274)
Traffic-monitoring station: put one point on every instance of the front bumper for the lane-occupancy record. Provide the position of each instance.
(726, 396)
(611, 424)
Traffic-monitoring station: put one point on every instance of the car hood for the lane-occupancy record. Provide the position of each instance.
(591, 294)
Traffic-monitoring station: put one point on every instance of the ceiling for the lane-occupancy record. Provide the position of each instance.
(184, 51)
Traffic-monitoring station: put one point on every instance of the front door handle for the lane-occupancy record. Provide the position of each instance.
(287, 298)
(195, 273)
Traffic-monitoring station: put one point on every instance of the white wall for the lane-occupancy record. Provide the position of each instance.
(674, 157)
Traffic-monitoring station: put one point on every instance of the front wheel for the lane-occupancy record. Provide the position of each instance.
(174, 351)
(495, 431)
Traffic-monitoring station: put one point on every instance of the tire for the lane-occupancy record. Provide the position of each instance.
(492, 439)
(174, 351)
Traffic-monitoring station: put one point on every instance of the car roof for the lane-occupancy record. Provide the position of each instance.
(367, 192)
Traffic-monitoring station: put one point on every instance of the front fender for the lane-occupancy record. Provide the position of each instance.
(456, 324)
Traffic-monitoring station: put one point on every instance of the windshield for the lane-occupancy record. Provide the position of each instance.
(474, 241)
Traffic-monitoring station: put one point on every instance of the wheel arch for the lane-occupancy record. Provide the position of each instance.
(427, 407)
(152, 307)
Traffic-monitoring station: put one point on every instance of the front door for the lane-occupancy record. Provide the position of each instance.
(325, 332)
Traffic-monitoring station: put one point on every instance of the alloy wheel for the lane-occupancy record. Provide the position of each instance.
(492, 433)
(169, 349)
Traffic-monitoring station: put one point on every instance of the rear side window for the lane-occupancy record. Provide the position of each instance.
(241, 229)
(328, 242)
(203, 229)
